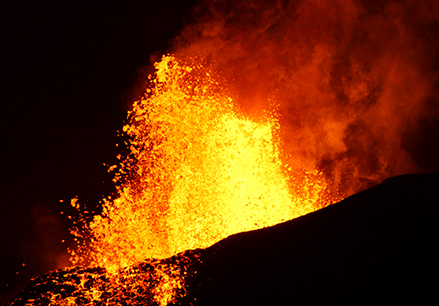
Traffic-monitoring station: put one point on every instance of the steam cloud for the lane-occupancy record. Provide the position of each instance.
(356, 80)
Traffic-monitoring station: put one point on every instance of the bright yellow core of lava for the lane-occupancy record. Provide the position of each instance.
(198, 172)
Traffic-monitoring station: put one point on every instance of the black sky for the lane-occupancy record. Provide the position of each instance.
(69, 70)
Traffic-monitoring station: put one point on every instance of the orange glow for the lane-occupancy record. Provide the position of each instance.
(293, 106)
(202, 172)
(266, 111)
(150, 282)
(199, 171)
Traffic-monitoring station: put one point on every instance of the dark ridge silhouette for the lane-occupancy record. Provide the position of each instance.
(377, 247)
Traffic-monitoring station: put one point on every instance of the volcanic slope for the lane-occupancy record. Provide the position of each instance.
(377, 247)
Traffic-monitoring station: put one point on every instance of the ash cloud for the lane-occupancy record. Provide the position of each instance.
(357, 81)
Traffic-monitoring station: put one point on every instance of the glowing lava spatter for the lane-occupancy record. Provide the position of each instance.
(198, 171)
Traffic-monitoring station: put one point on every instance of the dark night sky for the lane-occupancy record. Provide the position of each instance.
(69, 70)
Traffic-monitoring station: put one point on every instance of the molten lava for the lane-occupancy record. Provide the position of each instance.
(347, 81)
(199, 171)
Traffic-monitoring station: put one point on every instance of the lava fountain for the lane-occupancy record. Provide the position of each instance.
(350, 84)
(198, 171)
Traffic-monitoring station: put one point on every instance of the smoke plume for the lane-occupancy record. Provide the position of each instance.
(355, 80)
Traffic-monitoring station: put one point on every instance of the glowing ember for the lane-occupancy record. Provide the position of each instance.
(150, 282)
